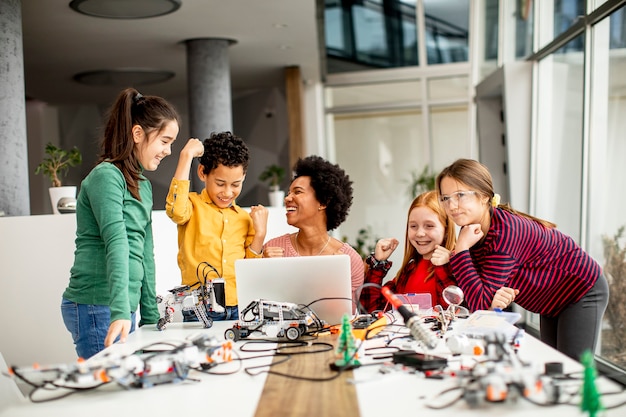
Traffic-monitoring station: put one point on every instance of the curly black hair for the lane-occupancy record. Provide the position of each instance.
(226, 149)
(331, 184)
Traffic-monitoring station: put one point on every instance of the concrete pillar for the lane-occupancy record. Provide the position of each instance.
(209, 91)
(14, 193)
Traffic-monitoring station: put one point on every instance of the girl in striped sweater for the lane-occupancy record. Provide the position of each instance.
(497, 247)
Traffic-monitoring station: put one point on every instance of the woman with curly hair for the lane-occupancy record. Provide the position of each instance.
(319, 198)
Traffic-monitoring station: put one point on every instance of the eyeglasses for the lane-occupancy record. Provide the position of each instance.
(458, 197)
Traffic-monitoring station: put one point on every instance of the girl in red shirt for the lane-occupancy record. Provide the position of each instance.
(430, 236)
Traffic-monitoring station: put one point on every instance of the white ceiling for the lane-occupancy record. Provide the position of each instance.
(59, 43)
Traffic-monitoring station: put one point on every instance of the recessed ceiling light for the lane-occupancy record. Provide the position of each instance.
(123, 77)
(125, 9)
(279, 26)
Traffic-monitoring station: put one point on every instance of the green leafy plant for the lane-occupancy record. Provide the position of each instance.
(420, 183)
(273, 175)
(365, 241)
(57, 163)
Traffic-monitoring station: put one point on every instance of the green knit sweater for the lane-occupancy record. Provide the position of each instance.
(114, 256)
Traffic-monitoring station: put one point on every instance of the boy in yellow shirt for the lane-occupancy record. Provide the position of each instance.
(212, 228)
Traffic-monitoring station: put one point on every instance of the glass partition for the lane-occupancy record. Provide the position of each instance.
(396, 93)
(388, 136)
(379, 150)
(566, 13)
(370, 34)
(449, 127)
(447, 30)
(559, 144)
(524, 21)
(448, 88)
(607, 219)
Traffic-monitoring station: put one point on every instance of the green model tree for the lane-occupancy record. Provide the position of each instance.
(590, 395)
(347, 346)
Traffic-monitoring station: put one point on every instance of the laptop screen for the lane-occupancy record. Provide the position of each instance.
(321, 282)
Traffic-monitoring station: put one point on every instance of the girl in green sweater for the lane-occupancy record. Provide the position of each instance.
(113, 273)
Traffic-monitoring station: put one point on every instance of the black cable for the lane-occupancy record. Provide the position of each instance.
(210, 372)
(248, 369)
(327, 299)
(244, 348)
(205, 274)
(322, 347)
(304, 378)
(387, 352)
(50, 386)
(203, 289)
(360, 308)
(283, 351)
(291, 376)
(284, 346)
(454, 400)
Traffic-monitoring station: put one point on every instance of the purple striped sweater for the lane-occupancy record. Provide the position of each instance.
(547, 267)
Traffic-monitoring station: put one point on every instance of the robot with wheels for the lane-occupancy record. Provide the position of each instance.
(273, 319)
(199, 300)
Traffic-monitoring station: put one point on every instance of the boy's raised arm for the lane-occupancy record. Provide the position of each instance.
(193, 149)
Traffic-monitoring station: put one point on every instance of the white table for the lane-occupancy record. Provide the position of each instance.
(212, 395)
(398, 393)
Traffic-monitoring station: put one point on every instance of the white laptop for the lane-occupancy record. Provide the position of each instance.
(299, 280)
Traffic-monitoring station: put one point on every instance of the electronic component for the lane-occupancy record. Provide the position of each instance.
(363, 321)
(142, 369)
(197, 300)
(419, 361)
(274, 319)
(367, 325)
(418, 330)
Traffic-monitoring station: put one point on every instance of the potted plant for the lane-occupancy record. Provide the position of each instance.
(55, 167)
(273, 175)
(420, 183)
(365, 241)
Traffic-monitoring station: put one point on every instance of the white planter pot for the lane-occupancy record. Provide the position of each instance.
(277, 198)
(57, 193)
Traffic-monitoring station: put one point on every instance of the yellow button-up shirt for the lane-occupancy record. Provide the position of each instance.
(207, 233)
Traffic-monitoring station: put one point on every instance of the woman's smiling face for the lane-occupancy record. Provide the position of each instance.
(301, 202)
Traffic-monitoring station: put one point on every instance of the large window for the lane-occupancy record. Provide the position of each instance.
(524, 21)
(386, 136)
(376, 34)
(566, 13)
(447, 35)
(385, 131)
(560, 139)
(391, 127)
(607, 148)
(370, 34)
(580, 148)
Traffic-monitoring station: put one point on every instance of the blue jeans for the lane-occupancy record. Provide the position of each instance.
(88, 325)
(230, 313)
